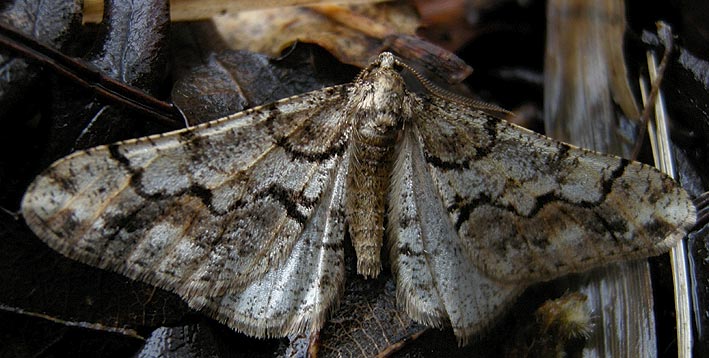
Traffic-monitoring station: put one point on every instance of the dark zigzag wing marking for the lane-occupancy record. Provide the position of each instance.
(529, 208)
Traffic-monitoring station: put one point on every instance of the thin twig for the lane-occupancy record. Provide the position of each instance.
(88, 325)
(665, 33)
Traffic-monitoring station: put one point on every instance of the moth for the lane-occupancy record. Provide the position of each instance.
(245, 217)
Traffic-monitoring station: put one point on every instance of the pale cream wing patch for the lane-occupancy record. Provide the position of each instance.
(247, 206)
(528, 208)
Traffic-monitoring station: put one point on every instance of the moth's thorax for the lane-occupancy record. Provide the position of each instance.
(378, 104)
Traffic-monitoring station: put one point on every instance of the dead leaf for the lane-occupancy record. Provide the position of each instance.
(190, 10)
(132, 49)
(368, 320)
(354, 34)
(232, 81)
(51, 22)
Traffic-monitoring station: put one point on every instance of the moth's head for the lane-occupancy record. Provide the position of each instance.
(386, 66)
(386, 60)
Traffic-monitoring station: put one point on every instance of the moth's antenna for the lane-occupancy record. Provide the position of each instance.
(448, 95)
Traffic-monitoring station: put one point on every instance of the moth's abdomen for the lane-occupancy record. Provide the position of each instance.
(367, 181)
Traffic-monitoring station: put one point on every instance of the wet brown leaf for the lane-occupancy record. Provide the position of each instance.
(132, 48)
(50, 22)
(232, 81)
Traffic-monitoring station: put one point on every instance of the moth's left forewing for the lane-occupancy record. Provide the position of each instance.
(241, 217)
(527, 208)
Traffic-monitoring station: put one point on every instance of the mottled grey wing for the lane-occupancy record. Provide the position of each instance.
(436, 282)
(527, 208)
(241, 216)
